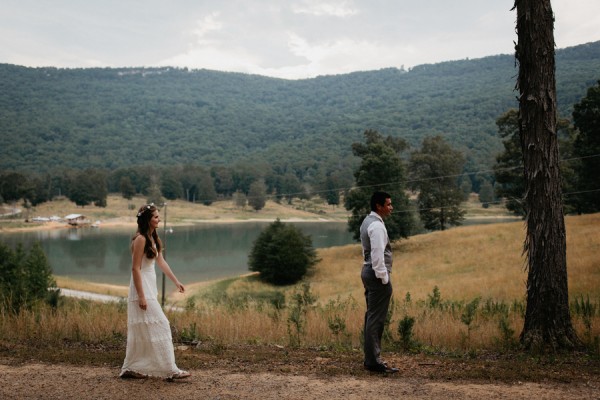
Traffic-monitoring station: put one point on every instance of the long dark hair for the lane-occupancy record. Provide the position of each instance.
(144, 216)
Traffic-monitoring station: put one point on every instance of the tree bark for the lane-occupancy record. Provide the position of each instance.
(547, 317)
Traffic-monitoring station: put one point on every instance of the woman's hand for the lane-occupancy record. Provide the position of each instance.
(142, 303)
(180, 287)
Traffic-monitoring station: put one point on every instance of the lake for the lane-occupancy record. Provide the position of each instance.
(195, 253)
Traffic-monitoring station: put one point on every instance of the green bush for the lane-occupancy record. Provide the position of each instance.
(405, 330)
(25, 277)
(282, 254)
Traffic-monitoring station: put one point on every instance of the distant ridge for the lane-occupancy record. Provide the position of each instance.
(117, 117)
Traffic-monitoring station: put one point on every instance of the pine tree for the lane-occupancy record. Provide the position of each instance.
(282, 254)
(38, 273)
(25, 277)
(435, 169)
(586, 117)
(381, 169)
(257, 195)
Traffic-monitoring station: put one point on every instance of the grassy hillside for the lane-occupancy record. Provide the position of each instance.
(241, 320)
(466, 263)
(463, 262)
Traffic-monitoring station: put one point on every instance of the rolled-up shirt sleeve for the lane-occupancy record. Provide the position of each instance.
(378, 237)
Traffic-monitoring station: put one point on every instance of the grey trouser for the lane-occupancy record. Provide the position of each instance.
(378, 298)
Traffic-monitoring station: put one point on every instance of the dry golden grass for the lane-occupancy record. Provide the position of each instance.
(464, 263)
(473, 208)
(100, 288)
(72, 321)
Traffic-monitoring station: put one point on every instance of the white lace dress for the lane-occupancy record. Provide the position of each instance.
(149, 343)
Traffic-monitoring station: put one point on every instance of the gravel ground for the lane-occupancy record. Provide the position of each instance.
(50, 381)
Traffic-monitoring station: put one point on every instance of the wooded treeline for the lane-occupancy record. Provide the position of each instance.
(113, 118)
(203, 135)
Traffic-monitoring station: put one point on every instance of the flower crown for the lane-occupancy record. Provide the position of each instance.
(146, 208)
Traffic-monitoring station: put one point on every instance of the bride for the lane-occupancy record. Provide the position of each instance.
(149, 344)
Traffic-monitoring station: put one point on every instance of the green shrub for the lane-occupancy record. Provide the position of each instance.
(405, 330)
(282, 254)
(25, 277)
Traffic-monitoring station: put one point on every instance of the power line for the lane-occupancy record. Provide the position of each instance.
(488, 202)
(404, 182)
(423, 179)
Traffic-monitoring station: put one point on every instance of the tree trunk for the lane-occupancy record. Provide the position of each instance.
(547, 317)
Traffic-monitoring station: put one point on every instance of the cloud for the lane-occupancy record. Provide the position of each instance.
(346, 55)
(209, 23)
(324, 8)
(289, 39)
(576, 22)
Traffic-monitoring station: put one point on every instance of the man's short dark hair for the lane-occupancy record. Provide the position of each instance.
(379, 198)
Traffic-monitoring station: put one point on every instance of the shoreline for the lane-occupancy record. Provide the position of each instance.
(126, 223)
(110, 292)
(129, 223)
(120, 212)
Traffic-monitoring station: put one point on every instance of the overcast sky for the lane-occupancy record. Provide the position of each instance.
(288, 39)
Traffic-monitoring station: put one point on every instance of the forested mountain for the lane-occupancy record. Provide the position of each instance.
(116, 117)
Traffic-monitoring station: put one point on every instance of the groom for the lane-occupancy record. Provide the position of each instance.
(375, 275)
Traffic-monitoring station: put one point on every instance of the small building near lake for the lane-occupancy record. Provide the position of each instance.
(77, 219)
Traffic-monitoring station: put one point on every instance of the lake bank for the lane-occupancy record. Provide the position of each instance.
(118, 219)
(127, 223)
(120, 212)
(197, 252)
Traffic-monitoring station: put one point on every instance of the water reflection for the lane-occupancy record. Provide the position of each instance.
(196, 253)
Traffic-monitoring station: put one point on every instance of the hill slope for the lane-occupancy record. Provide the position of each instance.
(111, 118)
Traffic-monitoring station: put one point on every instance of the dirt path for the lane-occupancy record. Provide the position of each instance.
(45, 381)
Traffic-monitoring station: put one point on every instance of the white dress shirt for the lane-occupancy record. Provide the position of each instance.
(379, 239)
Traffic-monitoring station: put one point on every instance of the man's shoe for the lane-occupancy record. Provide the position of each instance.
(381, 368)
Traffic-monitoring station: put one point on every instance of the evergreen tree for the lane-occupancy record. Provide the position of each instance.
(25, 277)
(126, 188)
(290, 187)
(435, 169)
(586, 117)
(332, 190)
(155, 195)
(80, 190)
(38, 276)
(189, 176)
(10, 278)
(244, 174)
(239, 199)
(508, 170)
(99, 186)
(223, 180)
(89, 186)
(466, 186)
(37, 190)
(170, 185)
(486, 194)
(382, 169)
(12, 186)
(257, 195)
(282, 254)
(206, 189)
